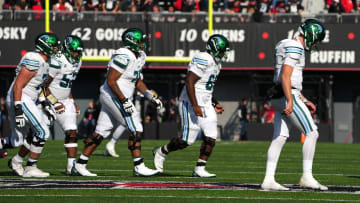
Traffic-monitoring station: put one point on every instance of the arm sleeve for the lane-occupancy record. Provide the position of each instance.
(30, 64)
(292, 55)
(198, 66)
(119, 62)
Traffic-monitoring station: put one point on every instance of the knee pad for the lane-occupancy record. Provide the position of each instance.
(135, 139)
(207, 146)
(70, 138)
(28, 141)
(93, 140)
(37, 145)
(314, 134)
(177, 143)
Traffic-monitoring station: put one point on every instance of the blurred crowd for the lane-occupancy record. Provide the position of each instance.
(269, 7)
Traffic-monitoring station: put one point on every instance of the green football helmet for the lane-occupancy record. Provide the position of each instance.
(218, 46)
(134, 39)
(73, 48)
(313, 32)
(47, 43)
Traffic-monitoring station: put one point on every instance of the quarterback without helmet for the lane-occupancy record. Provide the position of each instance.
(198, 107)
(31, 72)
(292, 108)
(123, 77)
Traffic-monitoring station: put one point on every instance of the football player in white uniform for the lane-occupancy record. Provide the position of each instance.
(63, 70)
(198, 107)
(123, 78)
(292, 108)
(31, 72)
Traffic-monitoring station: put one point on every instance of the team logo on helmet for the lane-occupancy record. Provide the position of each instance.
(134, 39)
(73, 48)
(47, 43)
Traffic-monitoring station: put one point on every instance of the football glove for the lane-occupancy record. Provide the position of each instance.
(153, 97)
(19, 116)
(128, 105)
(49, 111)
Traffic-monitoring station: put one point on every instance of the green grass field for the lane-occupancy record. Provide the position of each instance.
(233, 162)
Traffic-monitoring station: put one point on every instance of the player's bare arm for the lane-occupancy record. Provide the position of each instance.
(22, 79)
(141, 86)
(286, 86)
(190, 88)
(218, 107)
(112, 77)
(149, 94)
(309, 104)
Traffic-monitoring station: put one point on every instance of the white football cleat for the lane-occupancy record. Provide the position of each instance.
(142, 170)
(80, 170)
(110, 150)
(308, 181)
(199, 171)
(273, 185)
(33, 171)
(17, 167)
(159, 158)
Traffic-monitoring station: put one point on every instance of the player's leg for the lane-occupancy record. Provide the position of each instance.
(209, 126)
(189, 131)
(110, 146)
(103, 129)
(41, 131)
(67, 121)
(281, 133)
(301, 118)
(133, 123)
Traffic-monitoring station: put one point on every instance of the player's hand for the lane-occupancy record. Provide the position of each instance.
(19, 116)
(59, 107)
(311, 107)
(49, 111)
(77, 109)
(288, 109)
(128, 105)
(157, 102)
(198, 111)
(219, 108)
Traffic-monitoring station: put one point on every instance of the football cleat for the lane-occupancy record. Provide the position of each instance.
(142, 170)
(159, 158)
(33, 171)
(308, 181)
(200, 171)
(80, 170)
(68, 169)
(273, 185)
(110, 150)
(17, 167)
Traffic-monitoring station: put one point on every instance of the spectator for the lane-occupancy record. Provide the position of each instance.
(347, 5)
(3, 114)
(169, 17)
(62, 5)
(90, 5)
(243, 113)
(188, 6)
(173, 111)
(267, 113)
(9, 4)
(110, 5)
(76, 4)
(336, 7)
(88, 123)
(21, 5)
(147, 5)
(126, 5)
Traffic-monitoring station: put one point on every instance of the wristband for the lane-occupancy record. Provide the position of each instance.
(17, 102)
(148, 95)
(51, 98)
(305, 100)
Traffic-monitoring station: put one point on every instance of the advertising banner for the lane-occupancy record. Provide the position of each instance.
(252, 44)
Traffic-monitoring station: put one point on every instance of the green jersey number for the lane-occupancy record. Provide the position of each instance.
(66, 80)
(136, 75)
(211, 82)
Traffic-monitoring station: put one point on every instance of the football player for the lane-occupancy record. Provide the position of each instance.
(63, 70)
(31, 72)
(198, 107)
(291, 106)
(123, 77)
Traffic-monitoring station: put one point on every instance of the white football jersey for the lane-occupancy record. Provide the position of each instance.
(124, 61)
(64, 73)
(290, 52)
(204, 66)
(33, 62)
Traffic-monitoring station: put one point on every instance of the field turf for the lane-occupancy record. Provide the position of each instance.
(233, 163)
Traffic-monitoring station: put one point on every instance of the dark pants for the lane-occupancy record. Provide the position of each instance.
(243, 134)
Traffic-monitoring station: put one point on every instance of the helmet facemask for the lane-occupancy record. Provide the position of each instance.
(134, 39)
